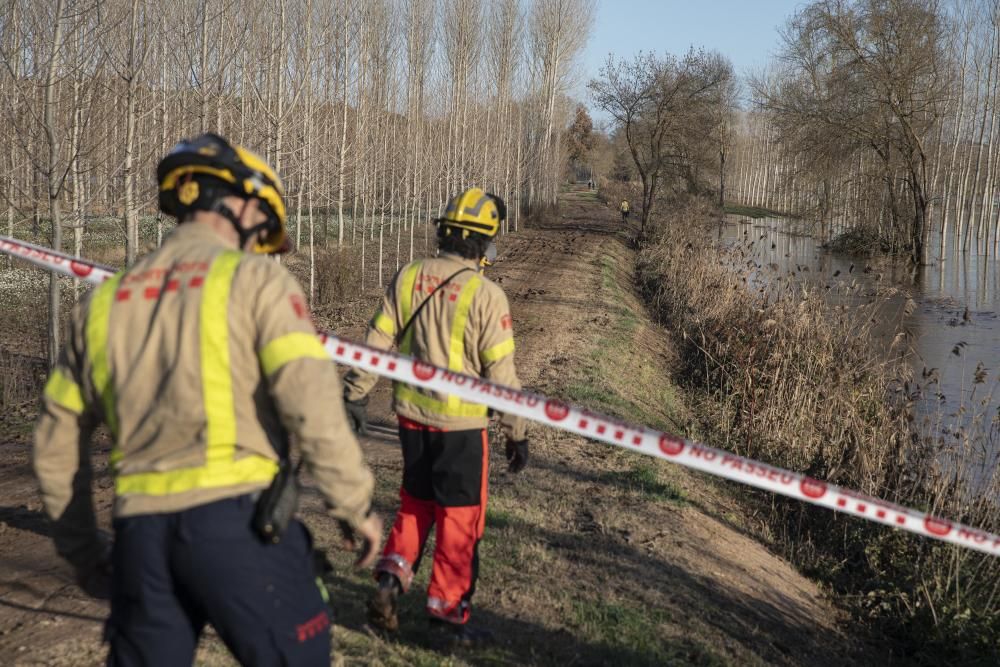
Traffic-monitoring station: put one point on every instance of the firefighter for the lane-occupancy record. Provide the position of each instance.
(202, 361)
(623, 208)
(442, 311)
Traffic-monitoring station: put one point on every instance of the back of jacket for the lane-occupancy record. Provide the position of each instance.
(202, 361)
(465, 327)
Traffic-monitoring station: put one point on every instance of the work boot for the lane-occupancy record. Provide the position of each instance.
(456, 634)
(384, 603)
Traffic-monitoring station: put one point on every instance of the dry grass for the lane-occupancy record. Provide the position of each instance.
(613, 192)
(20, 379)
(796, 382)
(860, 240)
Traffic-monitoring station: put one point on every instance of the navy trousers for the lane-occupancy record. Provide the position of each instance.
(173, 573)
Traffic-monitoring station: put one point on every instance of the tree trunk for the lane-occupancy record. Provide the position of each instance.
(722, 177)
(947, 195)
(53, 182)
(74, 169)
(131, 213)
(341, 165)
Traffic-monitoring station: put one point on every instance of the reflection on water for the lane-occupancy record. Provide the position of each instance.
(952, 318)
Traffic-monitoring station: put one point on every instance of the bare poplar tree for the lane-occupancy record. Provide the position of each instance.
(665, 108)
(872, 77)
(128, 43)
(559, 31)
(373, 111)
(52, 177)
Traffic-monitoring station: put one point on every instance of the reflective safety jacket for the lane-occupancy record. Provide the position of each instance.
(624, 206)
(466, 327)
(202, 361)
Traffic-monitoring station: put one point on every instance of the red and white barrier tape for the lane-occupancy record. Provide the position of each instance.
(557, 414)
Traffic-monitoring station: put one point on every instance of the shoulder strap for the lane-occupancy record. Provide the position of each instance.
(413, 317)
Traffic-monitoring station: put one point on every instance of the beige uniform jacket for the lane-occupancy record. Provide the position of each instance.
(466, 327)
(202, 361)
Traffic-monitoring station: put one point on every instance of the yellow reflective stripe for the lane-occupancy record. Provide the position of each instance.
(382, 322)
(169, 181)
(288, 348)
(256, 162)
(406, 290)
(456, 408)
(96, 333)
(247, 470)
(453, 407)
(221, 468)
(497, 352)
(456, 351)
(216, 374)
(405, 303)
(323, 592)
(62, 390)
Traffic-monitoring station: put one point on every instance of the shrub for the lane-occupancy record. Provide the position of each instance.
(799, 383)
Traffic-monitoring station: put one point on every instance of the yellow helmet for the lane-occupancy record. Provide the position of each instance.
(475, 211)
(197, 172)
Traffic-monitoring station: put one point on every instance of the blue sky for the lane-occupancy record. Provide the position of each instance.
(743, 30)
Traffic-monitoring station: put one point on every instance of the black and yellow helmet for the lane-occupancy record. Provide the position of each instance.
(198, 172)
(475, 211)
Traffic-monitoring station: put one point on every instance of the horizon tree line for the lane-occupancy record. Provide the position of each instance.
(373, 112)
(878, 119)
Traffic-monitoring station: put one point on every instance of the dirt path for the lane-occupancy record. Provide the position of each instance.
(592, 556)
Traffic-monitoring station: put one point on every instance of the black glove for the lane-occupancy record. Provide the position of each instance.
(94, 578)
(517, 455)
(357, 415)
(367, 535)
(95, 581)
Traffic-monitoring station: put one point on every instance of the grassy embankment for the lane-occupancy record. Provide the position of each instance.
(753, 211)
(794, 382)
(638, 392)
(532, 566)
(613, 192)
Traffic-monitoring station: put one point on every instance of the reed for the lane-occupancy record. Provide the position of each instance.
(789, 377)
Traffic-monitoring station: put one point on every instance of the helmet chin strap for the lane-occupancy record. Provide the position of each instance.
(244, 233)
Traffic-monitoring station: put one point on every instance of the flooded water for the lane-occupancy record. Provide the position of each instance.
(950, 308)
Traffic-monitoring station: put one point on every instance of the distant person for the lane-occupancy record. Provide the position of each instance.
(623, 207)
(444, 312)
(203, 362)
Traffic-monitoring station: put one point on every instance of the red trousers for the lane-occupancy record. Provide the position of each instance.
(444, 485)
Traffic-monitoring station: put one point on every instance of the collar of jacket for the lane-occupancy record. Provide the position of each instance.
(197, 232)
(470, 263)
